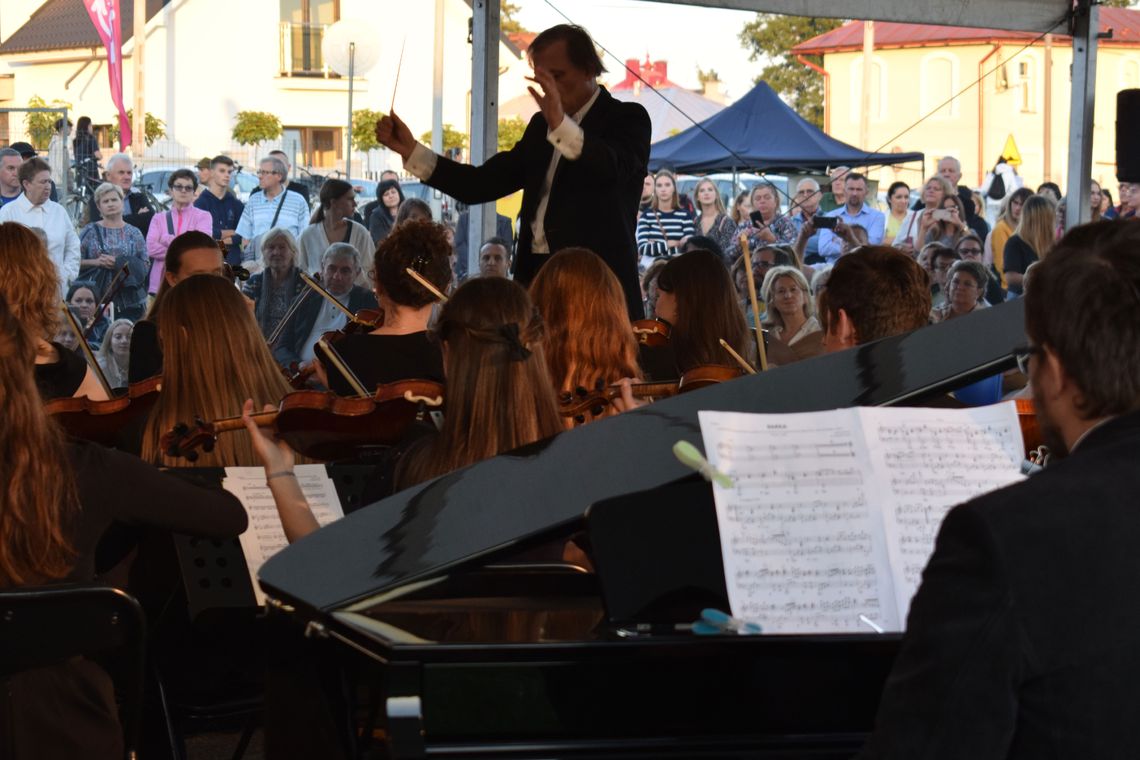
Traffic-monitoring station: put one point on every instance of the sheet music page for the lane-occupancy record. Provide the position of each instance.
(801, 535)
(929, 460)
(265, 537)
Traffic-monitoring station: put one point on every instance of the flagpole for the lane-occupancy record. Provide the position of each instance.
(138, 140)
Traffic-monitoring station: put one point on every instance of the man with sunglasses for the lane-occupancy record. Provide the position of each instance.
(1021, 640)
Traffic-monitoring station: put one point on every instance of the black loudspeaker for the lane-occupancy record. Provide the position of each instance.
(1127, 134)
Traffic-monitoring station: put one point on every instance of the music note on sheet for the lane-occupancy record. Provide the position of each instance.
(833, 515)
(801, 540)
(265, 537)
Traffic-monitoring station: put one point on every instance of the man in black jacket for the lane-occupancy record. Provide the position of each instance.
(1021, 641)
(580, 163)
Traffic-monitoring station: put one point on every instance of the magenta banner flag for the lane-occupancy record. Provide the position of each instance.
(105, 16)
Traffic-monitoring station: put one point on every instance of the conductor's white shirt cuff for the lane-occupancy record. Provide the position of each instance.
(422, 162)
(567, 138)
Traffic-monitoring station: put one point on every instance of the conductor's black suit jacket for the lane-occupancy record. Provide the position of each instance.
(593, 199)
(1024, 639)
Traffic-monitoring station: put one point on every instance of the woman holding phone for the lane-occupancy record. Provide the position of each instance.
(912, 233)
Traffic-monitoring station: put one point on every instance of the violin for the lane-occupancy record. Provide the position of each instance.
(652, 332)
(362, 323)
(580, 402)
(321, 425)
(102, 421)
(1030, 428)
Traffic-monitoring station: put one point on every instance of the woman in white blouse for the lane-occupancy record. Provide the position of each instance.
(794, 333)
(333, 223)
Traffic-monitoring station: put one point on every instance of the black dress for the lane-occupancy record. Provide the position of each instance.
(379, 359)
(1017, 258)
(68, 710)
(62, 378)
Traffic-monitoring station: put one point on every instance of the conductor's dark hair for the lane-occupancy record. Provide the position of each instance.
(1095, 272)
(579, 47)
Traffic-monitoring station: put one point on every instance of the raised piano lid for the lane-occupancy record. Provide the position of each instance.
(467, 515)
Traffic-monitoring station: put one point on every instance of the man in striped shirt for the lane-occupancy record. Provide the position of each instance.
(273, 207)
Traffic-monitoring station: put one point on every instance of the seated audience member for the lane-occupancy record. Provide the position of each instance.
(107, 245)
(494, 258)
(340, 268)
(806, 204)
(878, 293)
(1129, 202)
(965, 291)
(665, 225)
(1030, 242)
(491, 337)
(704, 243)
(333, 224)
(189, 254)
(85, 301)
(970, 248)
(918, 222)
(855, 212)
(59, 498)
(209, 373)
(588, 340)
(940, 259)
(399, 349)
(36, 209)
(29, 283)
(763, 259)
(389, 196)
(65, 335)
(278, 283)
(794, 332)
(987, 668)
(712, 222)
(697, 298)
(114, 356)
(413, 209)
(771, 228)
(181, 217)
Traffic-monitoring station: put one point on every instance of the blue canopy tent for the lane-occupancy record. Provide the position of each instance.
(765, 134)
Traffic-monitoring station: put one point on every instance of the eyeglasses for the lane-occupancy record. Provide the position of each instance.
(263, 172)
(1021, 355)
(183, 188)
(970, 251)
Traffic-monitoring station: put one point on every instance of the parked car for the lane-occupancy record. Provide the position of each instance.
(156, 180)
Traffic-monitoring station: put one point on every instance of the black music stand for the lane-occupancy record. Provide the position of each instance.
(657, 554)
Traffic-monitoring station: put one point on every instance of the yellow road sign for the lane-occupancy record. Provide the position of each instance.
(1010, 152)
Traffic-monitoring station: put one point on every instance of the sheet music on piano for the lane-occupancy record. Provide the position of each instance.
(832, 515)
(265, 537)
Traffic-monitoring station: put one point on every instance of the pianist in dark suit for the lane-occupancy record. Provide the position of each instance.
(580, 163)
(1022, 639)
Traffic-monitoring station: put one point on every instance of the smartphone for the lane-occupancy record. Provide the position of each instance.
(941, 215)
(824, 222)
(757, 219)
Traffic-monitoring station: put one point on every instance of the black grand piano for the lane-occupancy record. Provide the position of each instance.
(469, 635)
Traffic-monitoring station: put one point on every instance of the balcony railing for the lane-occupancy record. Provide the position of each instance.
(300, 51)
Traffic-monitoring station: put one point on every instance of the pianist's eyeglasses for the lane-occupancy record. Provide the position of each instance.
(1022, 356)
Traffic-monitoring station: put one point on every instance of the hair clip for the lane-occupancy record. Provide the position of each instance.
(420, 263)
(516, 350)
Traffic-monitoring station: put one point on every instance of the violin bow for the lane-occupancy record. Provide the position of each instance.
(280, 328)
(399, 66)
(87, 353)
(338, 362)
(327, 296)
(112, 291)
(744, 365)
(755, 302)
(424, 281)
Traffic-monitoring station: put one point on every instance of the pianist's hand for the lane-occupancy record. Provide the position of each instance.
(394, 134)
(274, 454)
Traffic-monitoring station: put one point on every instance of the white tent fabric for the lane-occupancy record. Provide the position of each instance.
(1017, 15)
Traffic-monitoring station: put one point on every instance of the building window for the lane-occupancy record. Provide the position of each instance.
(939, 84)
(302, 28)
(317, 147)
(1025, 84)
(876, 103)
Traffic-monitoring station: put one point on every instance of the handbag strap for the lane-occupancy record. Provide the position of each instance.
(277, 213)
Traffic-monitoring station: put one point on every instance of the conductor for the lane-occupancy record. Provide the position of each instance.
(580, 163)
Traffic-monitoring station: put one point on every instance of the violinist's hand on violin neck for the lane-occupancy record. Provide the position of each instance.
(393, 133)
(626, 401)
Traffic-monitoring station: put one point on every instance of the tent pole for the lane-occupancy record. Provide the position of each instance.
(1085, 26)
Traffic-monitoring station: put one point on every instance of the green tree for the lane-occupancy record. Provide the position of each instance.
(510, 132)
(364, 129)
(154, 128)
(771, 37)
(253, 127)
(452, 138)
(507, 21)
(1118, 3)
(710, 75)
(41, 126)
